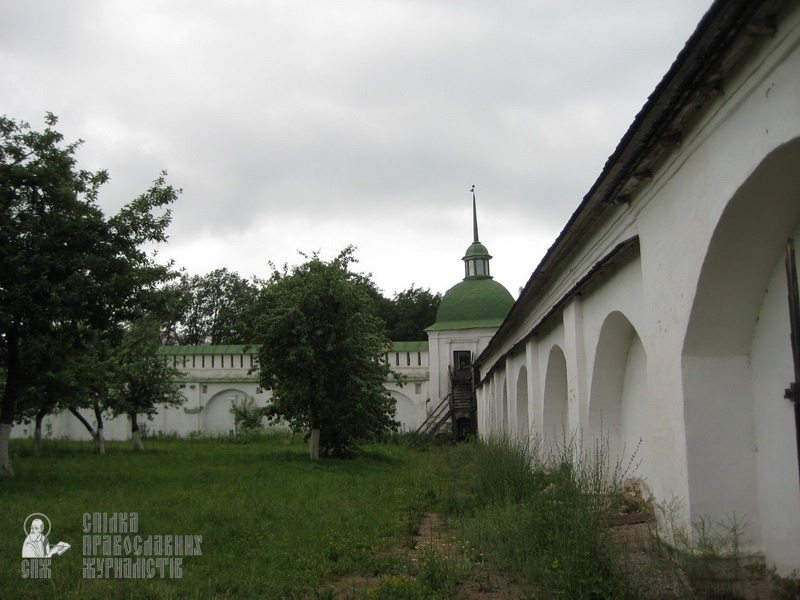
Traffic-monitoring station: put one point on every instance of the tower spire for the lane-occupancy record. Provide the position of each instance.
(476, 260)
(474, 217)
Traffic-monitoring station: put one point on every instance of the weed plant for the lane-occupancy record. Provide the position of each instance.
(436, 576)
(785, 588)
(542, 512)
(710, 552)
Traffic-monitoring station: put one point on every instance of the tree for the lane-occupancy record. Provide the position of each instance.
(143, 379)
(67, 270)
(211, 309)
(63, 372)
(409, 313)
(89, 377)
(320, 353)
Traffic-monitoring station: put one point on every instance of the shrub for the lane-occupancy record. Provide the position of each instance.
(246, 415)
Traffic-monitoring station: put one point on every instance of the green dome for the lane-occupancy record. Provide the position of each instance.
(476, 249)
(473, 303)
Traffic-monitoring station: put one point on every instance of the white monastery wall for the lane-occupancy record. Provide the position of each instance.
(213, 382)
(684, 343)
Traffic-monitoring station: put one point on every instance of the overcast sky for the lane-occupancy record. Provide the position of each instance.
(310, 124)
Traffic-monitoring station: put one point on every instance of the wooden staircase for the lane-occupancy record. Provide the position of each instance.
(436, 418)
(461, 390)
(458, 407)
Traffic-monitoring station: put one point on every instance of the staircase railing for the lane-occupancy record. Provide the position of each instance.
(436, 418)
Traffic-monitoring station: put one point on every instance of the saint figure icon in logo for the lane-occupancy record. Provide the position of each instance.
(36, 544)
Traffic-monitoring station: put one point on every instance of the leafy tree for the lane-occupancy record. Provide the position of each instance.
(143, 380)
(63, 373)
(409, 313)
(320, 354)
(67, 270)
(211, 309)
(40, 395)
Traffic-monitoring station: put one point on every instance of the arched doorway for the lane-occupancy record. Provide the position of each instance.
(217, 416)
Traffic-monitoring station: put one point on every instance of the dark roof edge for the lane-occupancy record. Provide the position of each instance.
(722, 35)
(619, 252)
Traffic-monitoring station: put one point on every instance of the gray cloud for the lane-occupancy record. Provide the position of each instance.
(309, 125)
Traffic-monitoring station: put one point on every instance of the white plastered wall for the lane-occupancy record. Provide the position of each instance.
(708, 308)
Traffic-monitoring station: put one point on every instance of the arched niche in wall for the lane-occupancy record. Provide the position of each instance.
(523, 423)
(217, 416)
(619, 413)
(740, 439)
(555, 424)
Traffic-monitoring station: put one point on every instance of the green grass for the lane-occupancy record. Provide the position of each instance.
(274, 524)
(541, 514)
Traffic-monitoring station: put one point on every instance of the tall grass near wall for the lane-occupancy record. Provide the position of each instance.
(543, 513)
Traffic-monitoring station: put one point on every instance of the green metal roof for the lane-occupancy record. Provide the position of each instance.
(473, 303)
(409, 347)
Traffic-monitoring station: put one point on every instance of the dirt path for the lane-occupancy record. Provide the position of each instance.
(483, 583)
(631, 537)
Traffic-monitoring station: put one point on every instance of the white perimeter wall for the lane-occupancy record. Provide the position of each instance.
(210, 393)
(685, 344)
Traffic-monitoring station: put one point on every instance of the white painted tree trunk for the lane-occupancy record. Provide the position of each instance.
(100, 438)
(5, 459)
(100, 441)
(37, 438)
(313, 444)
(37, 431)
(136, 438)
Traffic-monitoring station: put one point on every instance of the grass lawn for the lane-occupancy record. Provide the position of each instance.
(276, 525)
(273, 523)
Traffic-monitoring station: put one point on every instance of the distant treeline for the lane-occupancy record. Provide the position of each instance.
(220, 308)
